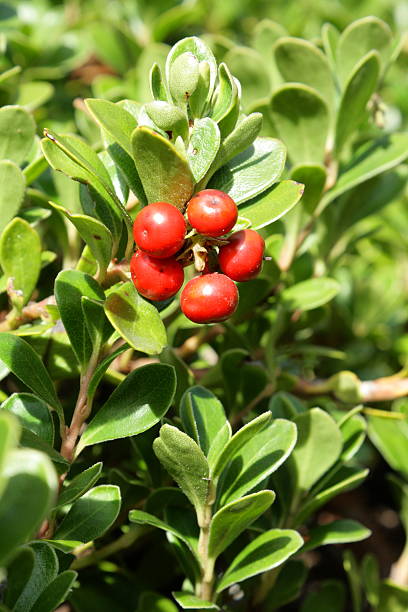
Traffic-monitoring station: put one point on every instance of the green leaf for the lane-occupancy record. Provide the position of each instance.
(204, 420)
(203, 147)
(269, 550)
(24, 362)
(72, 156)
(186, 464)
(32, 440)
(155, 603)
(288, 585)
(272, 204)
(329, 596)
(238, 440)
(390, 437)
(18, 574)
(257, 459)
(12, 186)
(117, 121)
(157, 84)
(226, 94)
(344, 480)
(144, 518)
(318, 446)
(94, 233)
(337, 532)
(357, 92)
(35, 94)
(353, 431)
(70, 287)
(136, 320)
(17, 132)
(248, 66)
(393, 597)
(9, 436)
(101, 369)
(164, 173)
(301, 117)
(168, 118)
(200, 51)
(370, 160)
(231, 520)
(330, 39)
(80, 484)
(188, 601)
(310, 294)
(21, 265)
(91, 515)
(359, 38)
(252, 171)
(55, 593)
(184, 375)
(183, 77)
(300, 61)
(138, 403)
(242, 137)
(198, 100)
(30, 476)
(45, 569)
(313, 176)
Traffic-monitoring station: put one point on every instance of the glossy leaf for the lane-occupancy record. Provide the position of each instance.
(318, 446)
(391, 439)
(269, 550)
(357, 92)
(138, 403)
(70, 287)
(310, 294)
(55, 593)
(204, 144)
(144, 518)
(300, 61)
(12, 186)
(136, 320)
(257, 459)
(32, 440)
(21, 265)
(188, 601)
(337, 532)
(164, 173)
(91, 515)
(29, 492)
(204, 420)
(102, 367)
(238, 440)
(80, 484)
(272, 204)
(345, 479)
(94, 233)
(232, 519)
(25, 363)
(17, 131)
(117, 121)
(252, 171)
(371, 160)
(301, 117)
(186, 464)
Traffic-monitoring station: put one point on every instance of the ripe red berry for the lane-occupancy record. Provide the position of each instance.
(241, 258)
(156, 279)
(212, 212)
(209, 298)
(159, 229)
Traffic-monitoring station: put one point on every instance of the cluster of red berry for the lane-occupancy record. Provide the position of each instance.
(163, 249)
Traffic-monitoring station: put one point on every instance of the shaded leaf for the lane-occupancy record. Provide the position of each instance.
(310, 294)
(203, 147)
(80, 484)
(272, 204)
(144, 518)
(91, 515)
(17, 132)
(55, 593)
(12, 186)
(337, 532)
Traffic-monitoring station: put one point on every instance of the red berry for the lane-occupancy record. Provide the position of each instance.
(159, 229)
(241, 258)
(156, 279)
(209, 298)
(212, 212)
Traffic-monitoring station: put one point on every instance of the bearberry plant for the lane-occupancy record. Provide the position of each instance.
(172, 279)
